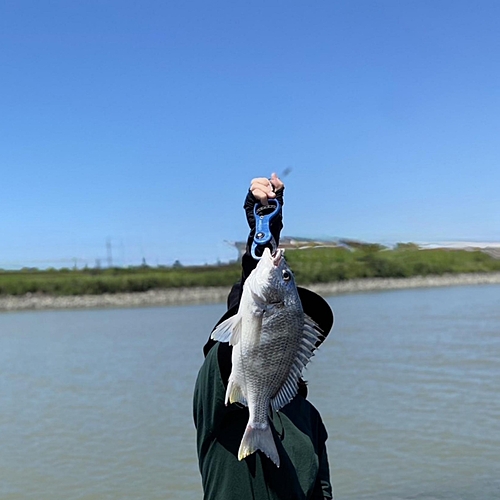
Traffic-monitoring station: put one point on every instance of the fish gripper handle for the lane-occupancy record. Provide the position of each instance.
(264, 214)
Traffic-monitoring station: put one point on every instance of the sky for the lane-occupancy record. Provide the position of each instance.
(136, 127)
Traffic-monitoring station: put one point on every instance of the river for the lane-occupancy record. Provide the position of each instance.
(96, 404)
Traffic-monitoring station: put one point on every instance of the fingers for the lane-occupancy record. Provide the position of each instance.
(264, 189)
(276, 182)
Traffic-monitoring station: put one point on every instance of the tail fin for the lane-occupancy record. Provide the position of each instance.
(256, 438)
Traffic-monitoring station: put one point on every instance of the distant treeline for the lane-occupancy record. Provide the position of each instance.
(313, 265)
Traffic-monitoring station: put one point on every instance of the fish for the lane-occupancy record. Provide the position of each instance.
(273, 340)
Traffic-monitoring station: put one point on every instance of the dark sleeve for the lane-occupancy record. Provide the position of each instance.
(218, 435)
(323, 488)
(208, 401)
(209, 408)
(248, 263)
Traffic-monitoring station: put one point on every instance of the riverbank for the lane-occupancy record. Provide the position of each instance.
(212, 295)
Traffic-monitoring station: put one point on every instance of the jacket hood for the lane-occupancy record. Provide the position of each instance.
(315, 306)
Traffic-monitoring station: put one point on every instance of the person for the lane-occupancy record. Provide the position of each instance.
(298, 429)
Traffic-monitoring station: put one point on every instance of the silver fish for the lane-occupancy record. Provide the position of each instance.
(273, 341)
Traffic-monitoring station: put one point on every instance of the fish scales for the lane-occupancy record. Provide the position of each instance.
(276, 349)
(272, 342)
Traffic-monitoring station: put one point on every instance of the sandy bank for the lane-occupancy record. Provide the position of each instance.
(182, 296)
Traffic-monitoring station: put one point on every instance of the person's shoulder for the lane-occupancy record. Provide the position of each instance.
(307, 406)
(309, 411)
(217, 362)
(209, 368)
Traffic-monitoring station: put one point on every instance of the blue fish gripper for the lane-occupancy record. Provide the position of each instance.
(264, 214)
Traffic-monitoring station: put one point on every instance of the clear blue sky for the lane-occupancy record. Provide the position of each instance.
(142, 123)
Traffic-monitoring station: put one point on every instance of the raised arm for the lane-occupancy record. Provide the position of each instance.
(261, 190)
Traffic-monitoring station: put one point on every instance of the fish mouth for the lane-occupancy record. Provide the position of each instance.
(277, 255)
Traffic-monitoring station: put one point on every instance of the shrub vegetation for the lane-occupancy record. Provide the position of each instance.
(314, 265)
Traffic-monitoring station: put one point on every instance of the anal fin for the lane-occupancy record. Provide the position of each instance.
(234, 394)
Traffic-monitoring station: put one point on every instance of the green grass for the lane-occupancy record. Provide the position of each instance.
(318, 265)
(323, 265)
(114, 280)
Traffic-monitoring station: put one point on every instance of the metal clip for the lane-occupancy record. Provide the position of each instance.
(263, 235)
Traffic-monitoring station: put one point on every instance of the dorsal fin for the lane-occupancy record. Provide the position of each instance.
(312, 335)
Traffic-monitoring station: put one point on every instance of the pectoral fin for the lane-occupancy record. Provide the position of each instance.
(228, 331)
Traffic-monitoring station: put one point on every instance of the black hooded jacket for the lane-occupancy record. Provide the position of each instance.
(298, 429)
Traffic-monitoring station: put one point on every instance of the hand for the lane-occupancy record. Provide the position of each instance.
(265, 189)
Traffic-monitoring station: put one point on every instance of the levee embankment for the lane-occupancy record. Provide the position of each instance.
(207, 295)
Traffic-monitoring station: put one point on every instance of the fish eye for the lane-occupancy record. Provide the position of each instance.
(286, 275)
